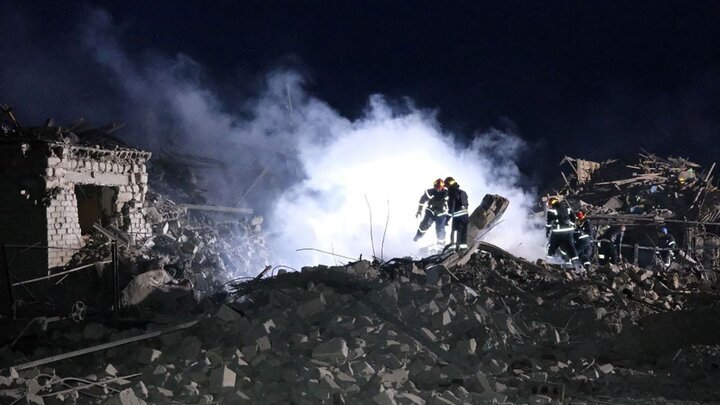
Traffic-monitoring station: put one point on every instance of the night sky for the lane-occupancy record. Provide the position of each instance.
(596, 79)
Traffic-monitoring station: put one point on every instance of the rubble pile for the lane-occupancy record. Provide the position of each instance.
(670, 188)
(207, 250)
(498, 329)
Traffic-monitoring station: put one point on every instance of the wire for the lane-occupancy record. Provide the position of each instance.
(372, 241)
(387, 220)
(326, 252)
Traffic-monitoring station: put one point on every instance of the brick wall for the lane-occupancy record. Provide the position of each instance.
(68, 166)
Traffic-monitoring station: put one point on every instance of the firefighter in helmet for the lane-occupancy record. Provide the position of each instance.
(434, 202)
(458, 210)
(559, 227)
(584, 234)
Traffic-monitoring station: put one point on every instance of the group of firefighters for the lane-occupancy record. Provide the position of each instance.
(572, 234)
(443, 203)
(569, 233)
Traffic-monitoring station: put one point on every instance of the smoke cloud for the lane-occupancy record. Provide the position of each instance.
(323, 176)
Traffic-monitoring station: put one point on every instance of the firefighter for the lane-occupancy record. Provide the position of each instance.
(435, 203)
(583, 237)
(611, 244)
(666, 244)
(458, 210)
(559, 227)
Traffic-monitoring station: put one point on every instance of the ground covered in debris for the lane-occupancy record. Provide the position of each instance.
(495, 330)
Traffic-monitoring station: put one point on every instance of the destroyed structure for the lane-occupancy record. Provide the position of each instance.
(474, 327)
(652, 192)
(56, 188)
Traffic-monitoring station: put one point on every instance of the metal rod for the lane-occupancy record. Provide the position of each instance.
(103, 346)
(11, 297)
(58, 274)
(621, 218)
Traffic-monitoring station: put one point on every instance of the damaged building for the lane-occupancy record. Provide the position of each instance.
(671, 192)
(56, 189)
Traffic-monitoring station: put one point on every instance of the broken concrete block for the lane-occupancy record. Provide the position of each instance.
(311, 308)
(263, 343)
(393, 377)
(606, 368)
(111, 370)
(228, 314)
(467, 347)
(407, 398)
(125, 397)
(539, 399)
(386, 397)
(221, 378)
(334, 351)
(148, 356)
(428, 334)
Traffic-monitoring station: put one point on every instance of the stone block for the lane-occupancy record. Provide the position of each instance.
(386, 397)
(312, 307)
(228, 314)
(334, 351)
(148, 355)
(125, 397)
(263, 343)
(407, 398)
(222, 378)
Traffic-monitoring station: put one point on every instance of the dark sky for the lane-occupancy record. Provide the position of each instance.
(594, 79)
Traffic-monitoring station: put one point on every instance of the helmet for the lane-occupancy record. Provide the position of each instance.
(552, 201)
(450, 182)
(663, 230)
(439, 184)
(580, 215)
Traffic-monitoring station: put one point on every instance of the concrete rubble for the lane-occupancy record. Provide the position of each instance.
(199, 325)
(510, 331)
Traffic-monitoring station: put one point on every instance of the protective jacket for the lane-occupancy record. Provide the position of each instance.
(435, 201)
(559, 226)
(559, 220)
(584, 234)
(458, 209)
(611, 245)
(666, 244)
(436, 212)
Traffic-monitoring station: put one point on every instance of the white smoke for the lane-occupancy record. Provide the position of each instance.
(329, 173)
(381, 164)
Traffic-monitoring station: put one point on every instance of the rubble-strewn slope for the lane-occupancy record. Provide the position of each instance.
(521, 333)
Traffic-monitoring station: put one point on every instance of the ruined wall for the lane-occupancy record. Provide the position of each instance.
(122, 170)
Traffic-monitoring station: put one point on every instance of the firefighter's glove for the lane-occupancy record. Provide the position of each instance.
(417, 215)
